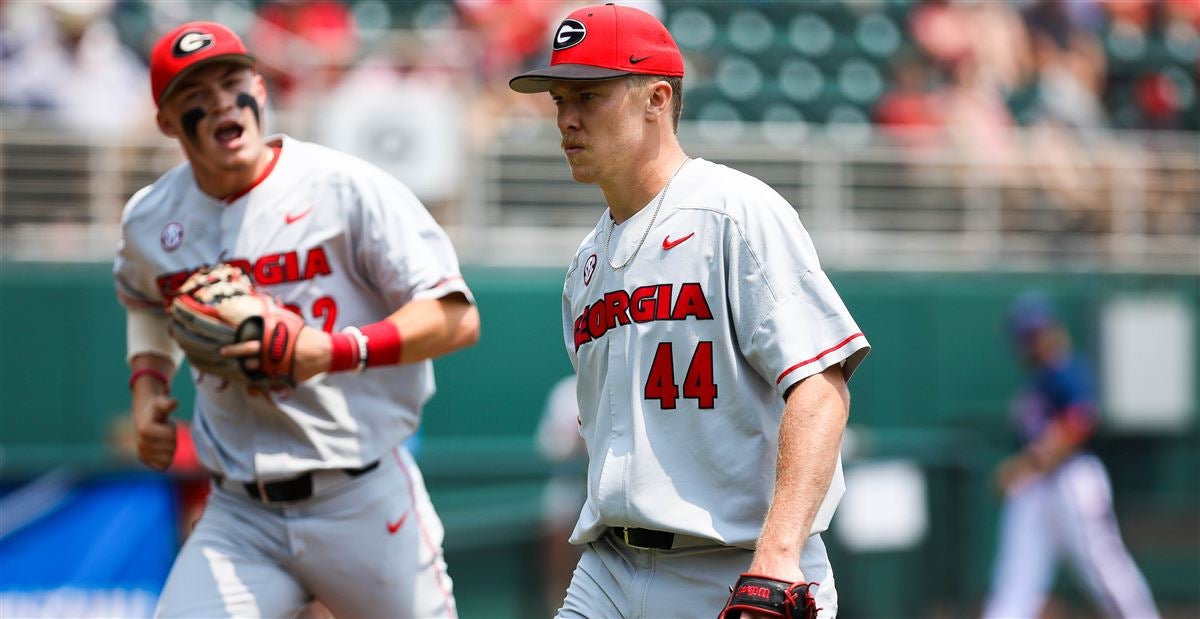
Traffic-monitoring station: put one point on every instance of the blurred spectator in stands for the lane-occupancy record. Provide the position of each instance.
(1070, 149)
(67, 60)
(303, 46)
(511, 33)
(1000, 45)
(907, 113)
(1184, 11)
(559, 442)
(942, 30)
(1158, 102)
(981, 128)
(1134, 13)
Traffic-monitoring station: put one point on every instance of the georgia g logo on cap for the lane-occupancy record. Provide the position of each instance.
(570, 33)
(191, 42)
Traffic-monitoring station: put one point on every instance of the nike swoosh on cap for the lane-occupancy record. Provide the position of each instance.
(633, 60)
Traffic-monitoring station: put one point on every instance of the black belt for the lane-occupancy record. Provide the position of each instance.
(644, 538)
(295, 489)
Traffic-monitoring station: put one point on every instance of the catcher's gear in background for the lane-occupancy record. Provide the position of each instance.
(218, 306)
(775, 598)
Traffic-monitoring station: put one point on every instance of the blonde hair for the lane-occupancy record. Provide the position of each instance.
(676, 84)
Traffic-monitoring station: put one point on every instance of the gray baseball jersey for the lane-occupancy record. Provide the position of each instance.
(337, 240)
(723, 308)
(341, 243)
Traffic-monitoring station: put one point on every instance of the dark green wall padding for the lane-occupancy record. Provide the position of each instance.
(934, 389)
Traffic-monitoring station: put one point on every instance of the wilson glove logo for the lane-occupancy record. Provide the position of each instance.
(191, 42)
(570, 33)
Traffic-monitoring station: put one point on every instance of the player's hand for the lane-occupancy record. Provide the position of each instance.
(156, 432)
(1013, 474)
(777, 568)
(314, 352)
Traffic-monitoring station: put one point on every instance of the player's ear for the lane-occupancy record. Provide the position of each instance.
(658, 100)
(165, 125)
(260, 91)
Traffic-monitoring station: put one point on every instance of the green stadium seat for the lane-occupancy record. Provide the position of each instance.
(693, 29)
(1182, 43)
(800, 80)
(848, 125)
(811, 35)
(878, 35)
(783, 124)
(750, 31)
(860, 82)
(738, 78)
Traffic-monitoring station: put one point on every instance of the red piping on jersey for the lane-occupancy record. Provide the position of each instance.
(412, 499)
(447, 280)
(134, 302)
(261, 177)
(819, 355)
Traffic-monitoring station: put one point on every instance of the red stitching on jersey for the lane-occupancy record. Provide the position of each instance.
(819, 355)
(412, 496)
(136, 303)
(447, 280)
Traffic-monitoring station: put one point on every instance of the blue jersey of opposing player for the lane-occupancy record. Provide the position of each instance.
(1061, 391)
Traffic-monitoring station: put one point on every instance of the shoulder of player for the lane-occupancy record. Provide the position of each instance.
(588, 246)
(151, 200)
(320, 160)
(334, 167)
(731, 193)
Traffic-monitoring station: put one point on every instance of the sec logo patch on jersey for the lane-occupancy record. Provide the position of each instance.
(172, 236)
(589, 269)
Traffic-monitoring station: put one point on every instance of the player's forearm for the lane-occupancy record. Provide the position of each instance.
(1063, 438)
(150, 375)
(420, 330)
(809, 438)
(435, 327)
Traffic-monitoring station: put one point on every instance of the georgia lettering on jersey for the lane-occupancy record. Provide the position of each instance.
(336, 240)
(711, 333)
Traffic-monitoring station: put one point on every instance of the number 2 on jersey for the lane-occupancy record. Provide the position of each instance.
(698, 383)
(324, 307)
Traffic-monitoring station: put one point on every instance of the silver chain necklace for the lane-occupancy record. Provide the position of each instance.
(613, 223)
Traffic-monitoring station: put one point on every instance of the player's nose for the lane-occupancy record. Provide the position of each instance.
(568, 118)
(225, 99)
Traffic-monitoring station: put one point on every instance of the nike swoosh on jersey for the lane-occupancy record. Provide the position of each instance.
(291, 219)
(668, 243)
(395, 526)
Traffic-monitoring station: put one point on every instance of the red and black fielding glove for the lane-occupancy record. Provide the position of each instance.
(218, 306)
(767, 596)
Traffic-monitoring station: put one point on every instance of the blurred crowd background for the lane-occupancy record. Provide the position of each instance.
(945, 155)
(1069, 113)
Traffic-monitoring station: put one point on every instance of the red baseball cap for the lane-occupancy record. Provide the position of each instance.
(603, 42)
(189, 46)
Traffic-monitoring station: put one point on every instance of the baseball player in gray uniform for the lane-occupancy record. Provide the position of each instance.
(712, 352)
(313, 493)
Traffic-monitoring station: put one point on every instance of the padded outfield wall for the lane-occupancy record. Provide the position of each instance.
(934, 391)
